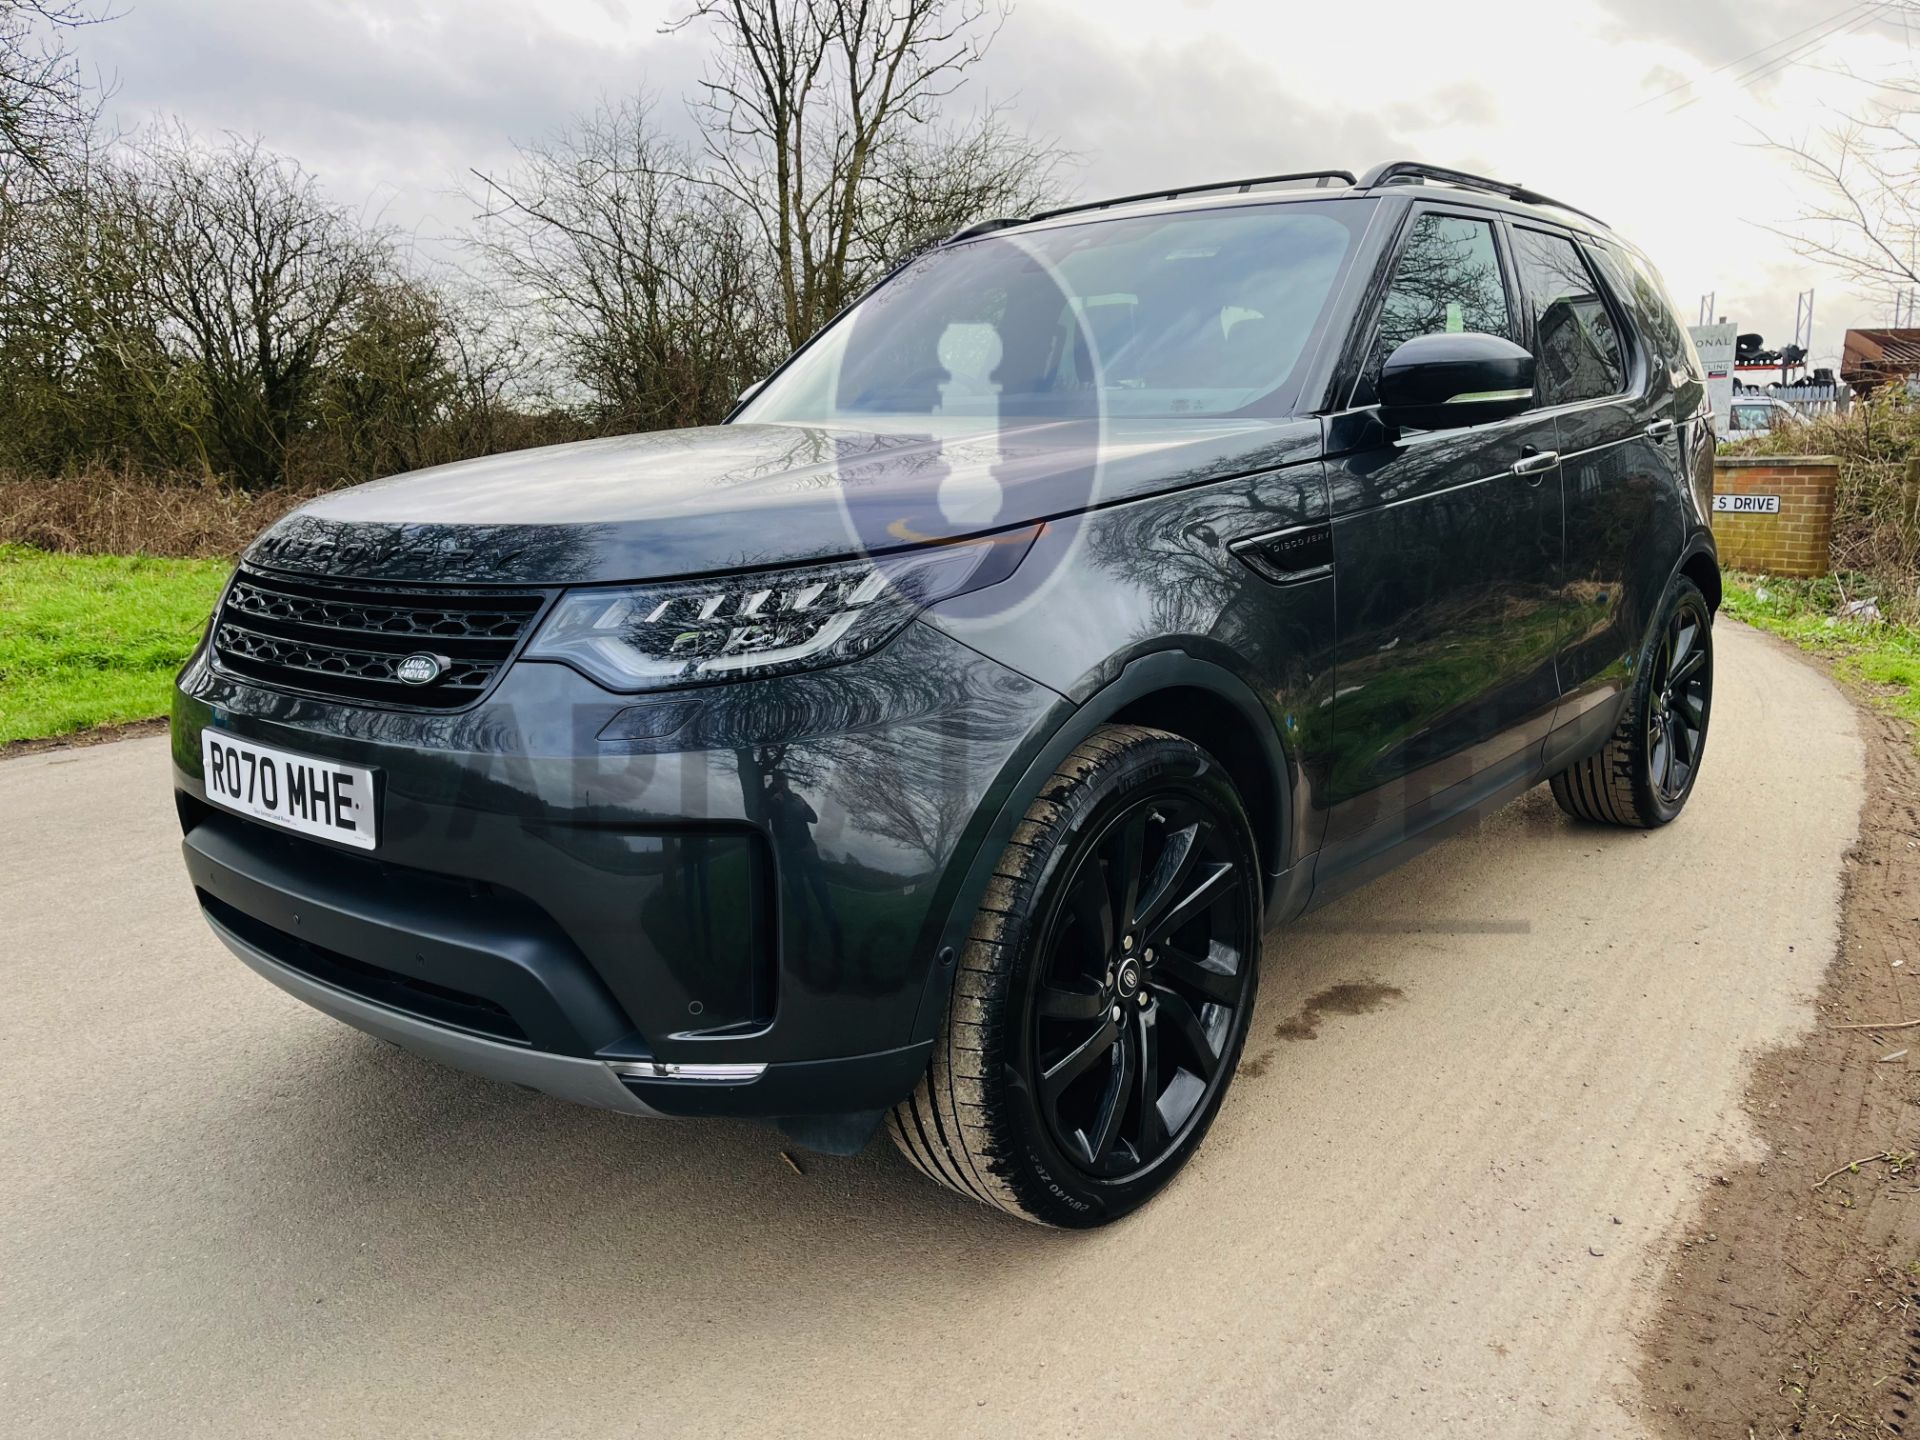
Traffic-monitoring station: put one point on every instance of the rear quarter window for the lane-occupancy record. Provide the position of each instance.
(1640, 287)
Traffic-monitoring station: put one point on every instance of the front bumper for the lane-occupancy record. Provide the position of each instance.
(651, 924)
(588, 1082)
(853, 1084)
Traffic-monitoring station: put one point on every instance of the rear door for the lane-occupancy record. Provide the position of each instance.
(1447, 552)
(1612, 409)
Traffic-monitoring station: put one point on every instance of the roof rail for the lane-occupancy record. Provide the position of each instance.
(1412, 172)
(982, 227)
(1321, 178)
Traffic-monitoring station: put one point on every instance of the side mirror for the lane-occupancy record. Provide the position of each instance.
(1441, 382)
(748, 393)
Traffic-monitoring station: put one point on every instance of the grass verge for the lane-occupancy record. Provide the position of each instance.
(91, 640)
(1880, 658)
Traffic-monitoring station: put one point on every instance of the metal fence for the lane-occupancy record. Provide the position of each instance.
(1808, 400)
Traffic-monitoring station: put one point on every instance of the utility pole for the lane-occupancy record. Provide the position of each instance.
(1802, 330)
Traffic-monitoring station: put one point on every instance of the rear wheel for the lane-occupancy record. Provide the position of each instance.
(1104, 995)
(1644, 773)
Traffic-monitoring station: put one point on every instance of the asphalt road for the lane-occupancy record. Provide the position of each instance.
(1433, 1204)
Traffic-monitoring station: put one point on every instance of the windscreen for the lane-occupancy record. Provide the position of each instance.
(1196, 314)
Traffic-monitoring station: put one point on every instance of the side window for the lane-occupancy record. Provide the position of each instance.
(1447, 279)
(1635, 280)
(1574, 335)
(1684, 355)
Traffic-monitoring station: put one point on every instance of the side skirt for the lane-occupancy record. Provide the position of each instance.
(1348, 864)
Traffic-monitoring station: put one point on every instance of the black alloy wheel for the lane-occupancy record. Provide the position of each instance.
(1682, 690)
(1101, 1004)
(1143, 971)
(1643, 774)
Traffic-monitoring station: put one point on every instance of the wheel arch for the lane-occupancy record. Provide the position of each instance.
(1167, 690)
(1701, 565)
(1221, 728)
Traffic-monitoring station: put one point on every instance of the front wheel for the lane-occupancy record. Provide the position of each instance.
(1104, 995)
(1644, 773)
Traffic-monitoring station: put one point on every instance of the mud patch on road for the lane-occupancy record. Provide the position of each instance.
(99, 735)
(1351, 999)
(1792, 1307)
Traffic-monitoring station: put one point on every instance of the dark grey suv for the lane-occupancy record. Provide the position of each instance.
(932, 743)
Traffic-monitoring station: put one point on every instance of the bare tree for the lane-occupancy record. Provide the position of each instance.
(45, 101)
(815, 113)
(83, 370)
(1863, 176)
(171, 305)
(254, 275)
(649, 286)
(384, 398)
(47, 113)
(424, 374)
(930, 181)
(490, 357)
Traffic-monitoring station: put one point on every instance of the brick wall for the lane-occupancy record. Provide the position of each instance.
(1793, 542)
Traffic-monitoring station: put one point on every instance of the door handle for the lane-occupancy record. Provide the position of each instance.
(1660, 429)
(1538, 463)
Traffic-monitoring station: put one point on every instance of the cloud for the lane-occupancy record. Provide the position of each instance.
(1713, 31)
(1143, 116)
(391, 105)
(1761, 46)
(393, 102)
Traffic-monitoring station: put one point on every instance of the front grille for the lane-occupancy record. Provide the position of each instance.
(345, 640)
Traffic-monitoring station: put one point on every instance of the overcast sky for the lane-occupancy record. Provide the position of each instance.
(392, 102)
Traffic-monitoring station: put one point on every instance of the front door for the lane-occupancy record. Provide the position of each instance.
(1447, 564)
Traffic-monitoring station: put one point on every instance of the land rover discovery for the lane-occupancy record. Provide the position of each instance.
(930, 745)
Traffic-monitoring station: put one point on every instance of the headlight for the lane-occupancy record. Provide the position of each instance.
(686, 632)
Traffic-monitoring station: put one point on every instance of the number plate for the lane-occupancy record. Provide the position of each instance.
(314, 797)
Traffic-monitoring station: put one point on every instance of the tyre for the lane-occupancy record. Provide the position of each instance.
(1644, 773)
(1105, 991)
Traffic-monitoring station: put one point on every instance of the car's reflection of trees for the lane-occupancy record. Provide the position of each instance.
(1423, 655)
(434, 554)
(1169, 564)
(1173, 556)
(812, 458)
(904, 745)
(1579, 349)
(1440, 271)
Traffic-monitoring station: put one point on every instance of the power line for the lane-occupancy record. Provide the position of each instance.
(1843, 24)
(1742, 59)
(1875, 12)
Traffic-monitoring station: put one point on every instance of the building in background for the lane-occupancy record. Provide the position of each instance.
(1871, 358)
